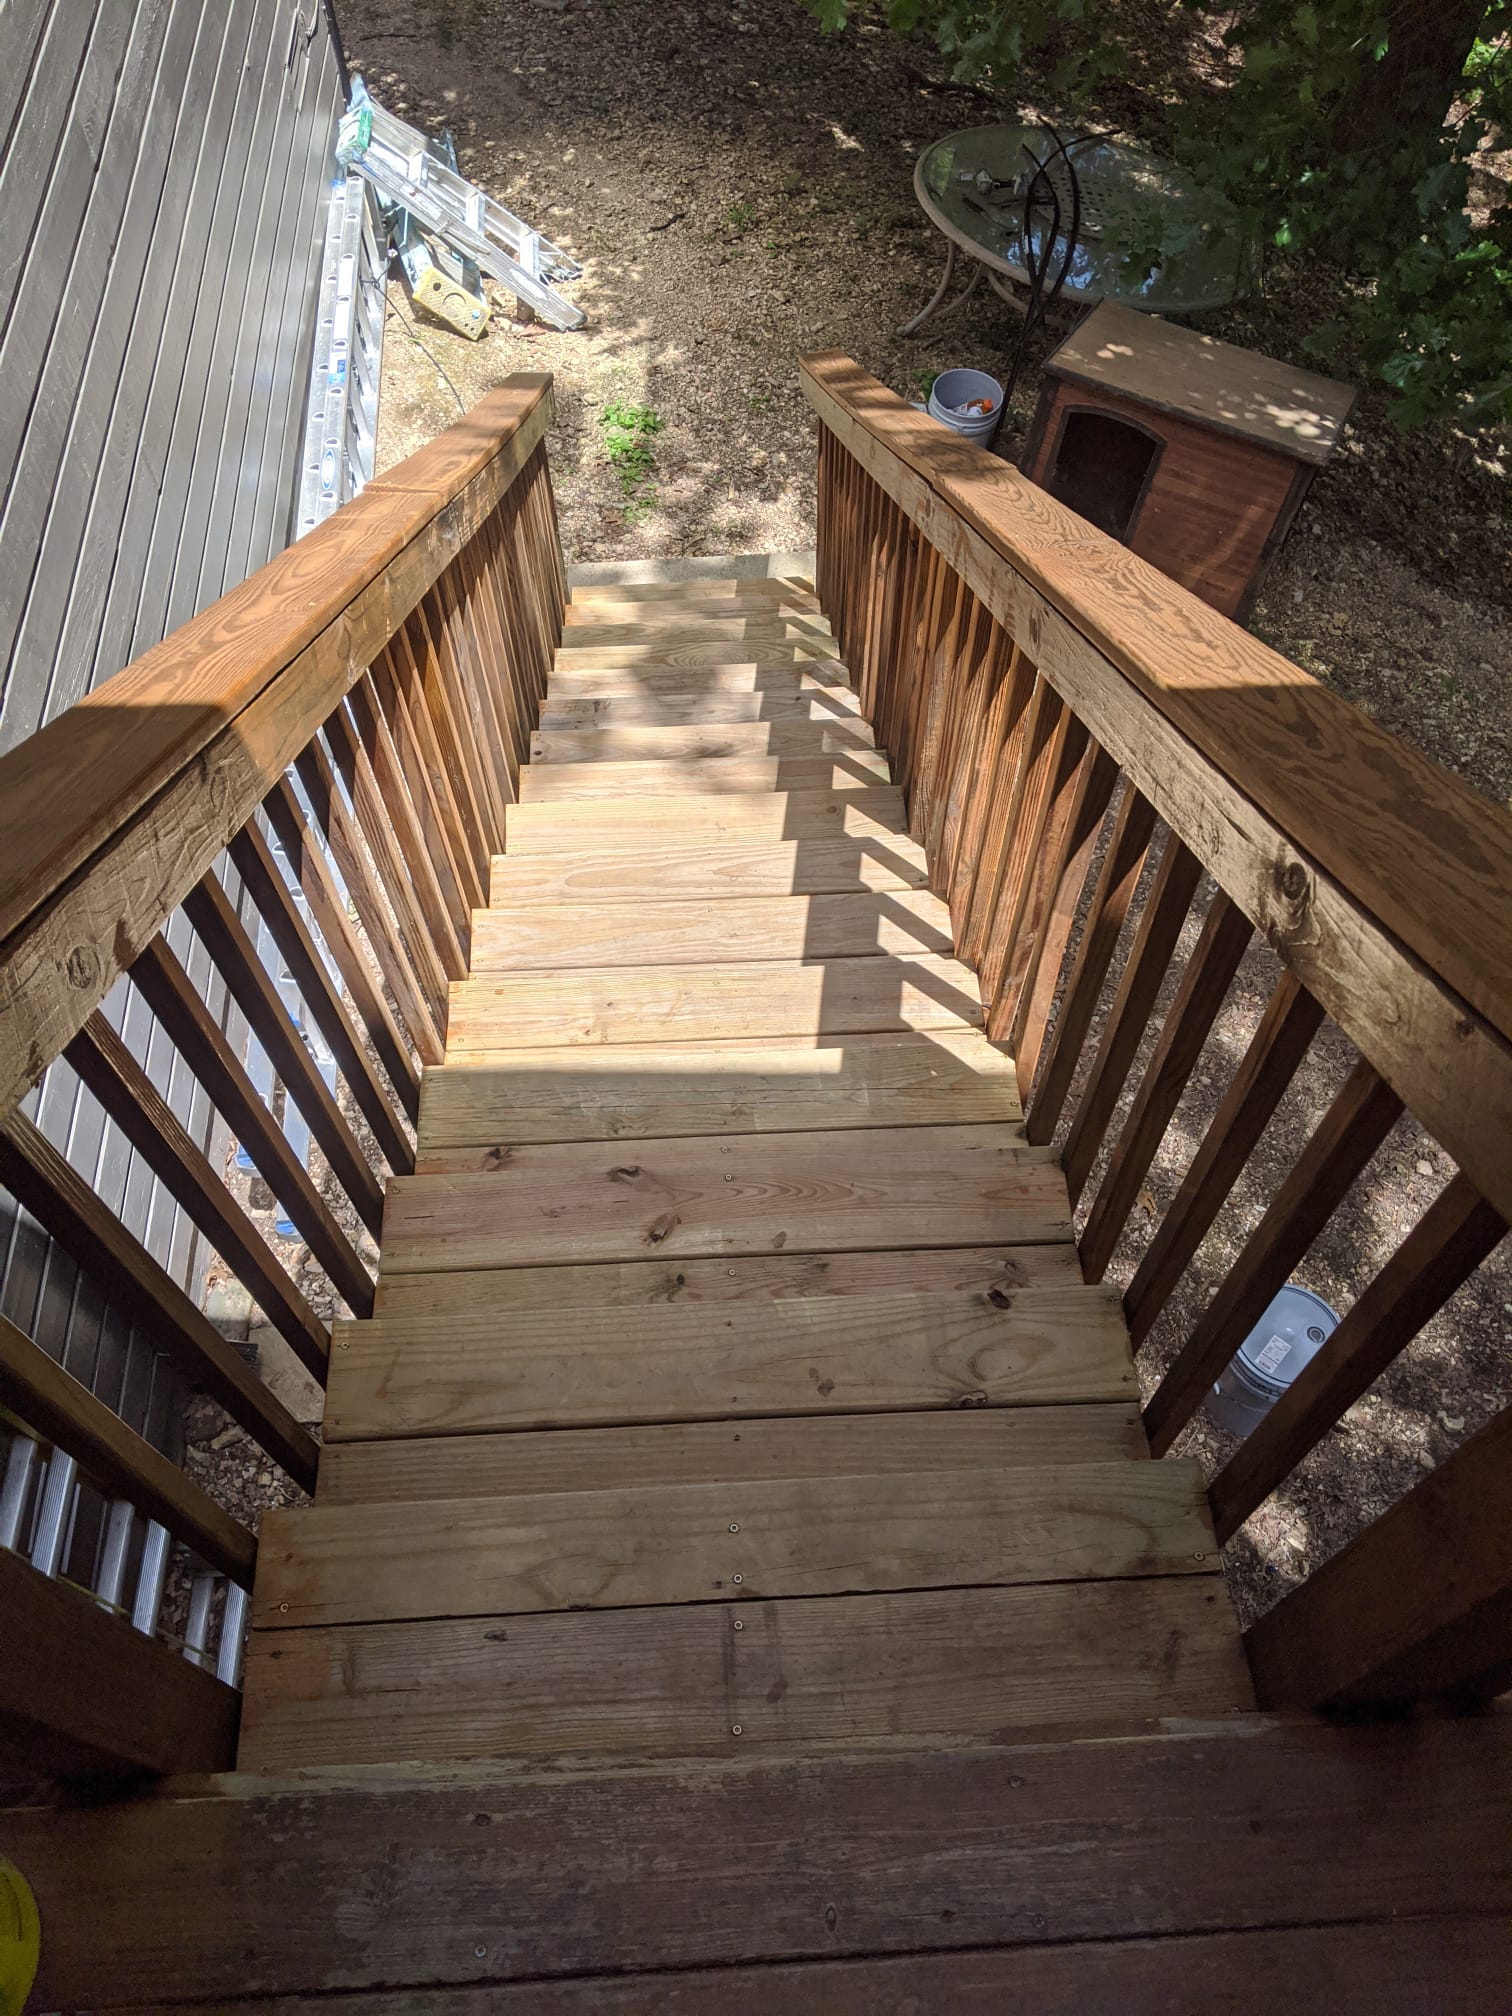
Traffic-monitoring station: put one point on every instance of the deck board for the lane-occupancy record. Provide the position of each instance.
(906, 922)
(965, 1663)
(704, 1452)
(550, 783)
(679, 707)
(708, 1002)
(858, 812)
(688, 1543)
(650, 872)
(461, 1373)
(618, 1092)
(691, 1198)
(553, 747)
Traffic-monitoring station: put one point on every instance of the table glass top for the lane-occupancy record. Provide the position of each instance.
(973, 185)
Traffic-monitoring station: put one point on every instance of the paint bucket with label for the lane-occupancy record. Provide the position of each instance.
(1288, 1337)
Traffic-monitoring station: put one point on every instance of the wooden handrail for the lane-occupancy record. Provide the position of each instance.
(394, 661)
(112, 813)
(1038, 686)
(1384, 882)
(1427, 856)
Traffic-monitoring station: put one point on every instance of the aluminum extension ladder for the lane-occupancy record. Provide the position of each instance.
(342, 416)
(405, 169)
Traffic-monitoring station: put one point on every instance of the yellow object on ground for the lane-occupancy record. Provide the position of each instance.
(20, 1939)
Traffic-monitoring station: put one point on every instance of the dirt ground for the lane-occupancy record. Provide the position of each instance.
(738, 186)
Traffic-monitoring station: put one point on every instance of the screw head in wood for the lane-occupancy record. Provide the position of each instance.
(283, 1609)
(735, 1729)
(733, 1578)
(480, 1952)
(734, 1525)
(739, 1624)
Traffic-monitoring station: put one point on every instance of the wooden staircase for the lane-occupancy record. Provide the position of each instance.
(732, 1383)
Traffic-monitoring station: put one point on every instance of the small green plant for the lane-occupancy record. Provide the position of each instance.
(628, 432)
(740, 217)
(925, 382)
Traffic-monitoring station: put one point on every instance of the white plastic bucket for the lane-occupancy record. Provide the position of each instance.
(959, 388)
(1287, 1338)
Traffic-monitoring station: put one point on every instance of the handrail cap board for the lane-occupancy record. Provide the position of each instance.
(1425, 854)
(66, 788)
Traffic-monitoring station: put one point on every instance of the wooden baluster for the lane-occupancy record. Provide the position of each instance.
(988, 784)
(1287, 1027)
(480, 729)
(984, 652)
(118, 1459)
(1150, 955)
(254, 862)
(457, 732)
(225, 938)
(941, 666)
(131, 1099)
(345, 843)
(1021, 756)
(328, 912)
(1350, 1132)
(193, 1032)
(933, 592)
(1116, 883)
(1069, 844)
(417, 842)
(1049, 784)
(409, 882)
(39, 1178)
(429, 780)
(1442, 1250)
(510, 631)
(389, 737)
(1417, 1608)
(1226, 933)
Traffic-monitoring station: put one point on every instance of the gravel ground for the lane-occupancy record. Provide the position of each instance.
(739, 189)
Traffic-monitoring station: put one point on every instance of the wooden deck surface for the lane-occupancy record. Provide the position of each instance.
(732, 1383)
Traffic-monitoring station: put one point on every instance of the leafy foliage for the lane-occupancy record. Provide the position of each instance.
(628, 433)
(1330, 143)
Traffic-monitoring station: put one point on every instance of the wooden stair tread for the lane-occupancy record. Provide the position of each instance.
(645, 1279)
(653, 596)
(672, 631)
(786, 701)
(997, 1876)
(686, 1543)
(727, 999)
(865, 812)
(706, 1452)
(659, 1089)
(649, 871)
(700, 932)
(465, 1373)
(549, 782)
(683, 1681)
(699, 742)
(696, 1197)
(694, 663)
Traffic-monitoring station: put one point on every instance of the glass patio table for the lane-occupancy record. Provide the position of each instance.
(972, 186)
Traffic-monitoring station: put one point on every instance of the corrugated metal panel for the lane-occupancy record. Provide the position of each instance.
(161, 215)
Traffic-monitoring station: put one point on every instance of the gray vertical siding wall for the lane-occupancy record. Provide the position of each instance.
(162, 194)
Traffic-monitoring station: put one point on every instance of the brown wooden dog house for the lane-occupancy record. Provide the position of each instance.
(1192, 452)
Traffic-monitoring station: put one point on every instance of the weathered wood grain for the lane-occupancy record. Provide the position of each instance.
(544, 783)
(736, 999)
(686, 1543)
(709, 1452)
(641, 708)
(963, 1663)
(853, 1354)
(864, 812)
(865, 1189)
(731, 928)
(379, 1879)
(701, 742)
(471, 1114)
(655, 871)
